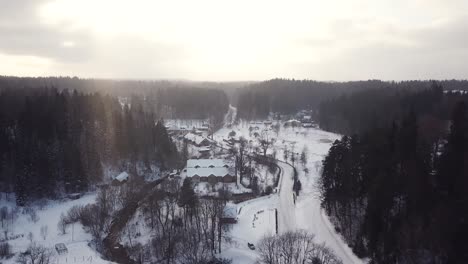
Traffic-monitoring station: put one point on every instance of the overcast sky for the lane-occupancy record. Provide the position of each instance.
(235, 40)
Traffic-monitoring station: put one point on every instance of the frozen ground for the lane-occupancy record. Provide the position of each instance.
(76, 239)
(306, 213)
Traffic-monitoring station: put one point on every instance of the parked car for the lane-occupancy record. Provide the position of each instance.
(251, 246)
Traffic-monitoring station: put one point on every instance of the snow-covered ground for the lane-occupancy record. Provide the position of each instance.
(306, 213)
(256, 219)
(76, 239)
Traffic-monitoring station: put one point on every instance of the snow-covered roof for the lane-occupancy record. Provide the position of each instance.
(122, 177)
(293, 121)
(195, 138)
(205, 163)
(205, 172)
(230, 210)
(204, 149)
(207, 167)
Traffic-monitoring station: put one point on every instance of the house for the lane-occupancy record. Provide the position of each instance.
(120, 179)
(229, 215)
(211, 170)
(61, 248)
(197, 140)
(307, 119)
(292, 123)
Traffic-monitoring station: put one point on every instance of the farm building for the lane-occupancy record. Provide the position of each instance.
(211, 170)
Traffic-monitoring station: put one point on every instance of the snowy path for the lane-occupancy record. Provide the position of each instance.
(230, 116)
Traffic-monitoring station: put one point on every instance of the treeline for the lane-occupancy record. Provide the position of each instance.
(53, 142)
(285, 96)
(397, 191)
(167, 99)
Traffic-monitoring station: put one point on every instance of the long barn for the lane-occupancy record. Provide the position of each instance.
(211, 170)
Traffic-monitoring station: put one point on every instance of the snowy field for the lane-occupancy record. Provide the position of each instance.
(306, 213)
(76, 239)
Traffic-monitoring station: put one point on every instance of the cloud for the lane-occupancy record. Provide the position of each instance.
(390, 52)
(254, 40)
(24, 34)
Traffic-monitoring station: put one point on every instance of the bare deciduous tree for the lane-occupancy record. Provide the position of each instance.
(44, 231)
(36, 254)
(30, 237)
(265, 141)
(62, 224)
(296, 247)
(3, 214)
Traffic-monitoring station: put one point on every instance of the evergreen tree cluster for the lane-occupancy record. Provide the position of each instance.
(53, 142)
(398, 192)
(370, 108)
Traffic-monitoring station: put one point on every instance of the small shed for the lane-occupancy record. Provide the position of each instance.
(120, 179)
(229, 214)
(61, 248)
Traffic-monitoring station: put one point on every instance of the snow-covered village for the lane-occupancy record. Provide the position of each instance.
(233, 132)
